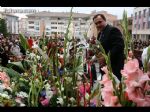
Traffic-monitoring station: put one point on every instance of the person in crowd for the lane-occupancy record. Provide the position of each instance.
(15, 50)
(112, 41)
(30, 42)
(145, 56)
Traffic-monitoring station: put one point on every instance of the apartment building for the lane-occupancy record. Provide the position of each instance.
(141, 23)
(12, 22)
(55, 23)
(23, 22)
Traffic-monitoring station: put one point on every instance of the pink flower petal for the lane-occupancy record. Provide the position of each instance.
(45, 102)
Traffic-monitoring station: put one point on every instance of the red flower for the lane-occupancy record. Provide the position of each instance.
(126, 96)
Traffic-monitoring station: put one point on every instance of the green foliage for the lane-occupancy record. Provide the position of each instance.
(3, 27)
(23, 42)
(126, 34)
(146, 61)
(16, 65)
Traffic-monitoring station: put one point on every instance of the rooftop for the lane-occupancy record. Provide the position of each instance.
(58, 14)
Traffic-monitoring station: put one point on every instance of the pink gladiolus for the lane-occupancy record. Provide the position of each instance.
(131, 69)
(5, 79)
(83, 89)
(45, 102)
(136, 83)
(143, 79)
(105, 69)
(131, 66)
(114, 101)
(107, 91)
(104, 79)
(147, 86)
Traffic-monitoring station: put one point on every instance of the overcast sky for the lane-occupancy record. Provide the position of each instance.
(118, 11)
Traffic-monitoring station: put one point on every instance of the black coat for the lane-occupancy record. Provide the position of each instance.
(4, 59)
(112, 41)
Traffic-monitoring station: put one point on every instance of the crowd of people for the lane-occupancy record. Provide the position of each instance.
(10, 48)
(140, 44)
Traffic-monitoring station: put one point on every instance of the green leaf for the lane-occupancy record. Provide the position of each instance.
(24, 42)
(16, 64)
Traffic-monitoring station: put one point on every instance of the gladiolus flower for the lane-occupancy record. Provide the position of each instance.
(45, 102)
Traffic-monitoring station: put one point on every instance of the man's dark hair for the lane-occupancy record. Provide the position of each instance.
(102, 16)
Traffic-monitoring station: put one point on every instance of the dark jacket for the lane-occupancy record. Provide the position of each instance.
(112, 41)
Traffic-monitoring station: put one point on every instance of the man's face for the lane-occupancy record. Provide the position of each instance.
(99, 22)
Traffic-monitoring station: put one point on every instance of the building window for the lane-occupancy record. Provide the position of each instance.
(148, 24)
(149, 12)
(135, 15)
(31, 27)
(48, 29)
(37, 28)
(139, 14)
(53, 27)
(47, 33)
(139, 26)
(36, 23)
(54, 33)
(53, 22)
(37, 33)
(82, 23)
(135, 26)
(143, 25)
(60, 23)
(31, 22)
(144, 12)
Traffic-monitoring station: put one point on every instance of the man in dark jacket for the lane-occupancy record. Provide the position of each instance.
(112, 41)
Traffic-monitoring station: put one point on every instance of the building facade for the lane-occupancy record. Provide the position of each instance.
(141, 23)
(51, 23)
(23, 25)
(12, 22)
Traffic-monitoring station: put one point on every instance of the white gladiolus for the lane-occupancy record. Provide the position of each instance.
(49, 94)
(69, 79)
(32, 55)
(72, 99)
(64, 97)
(5, 96)
(38, 57)
(71, 31)
(60, 101)
(22, 94)
(62, 88)
(87, 96)
(22, 105)
(47, 86)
